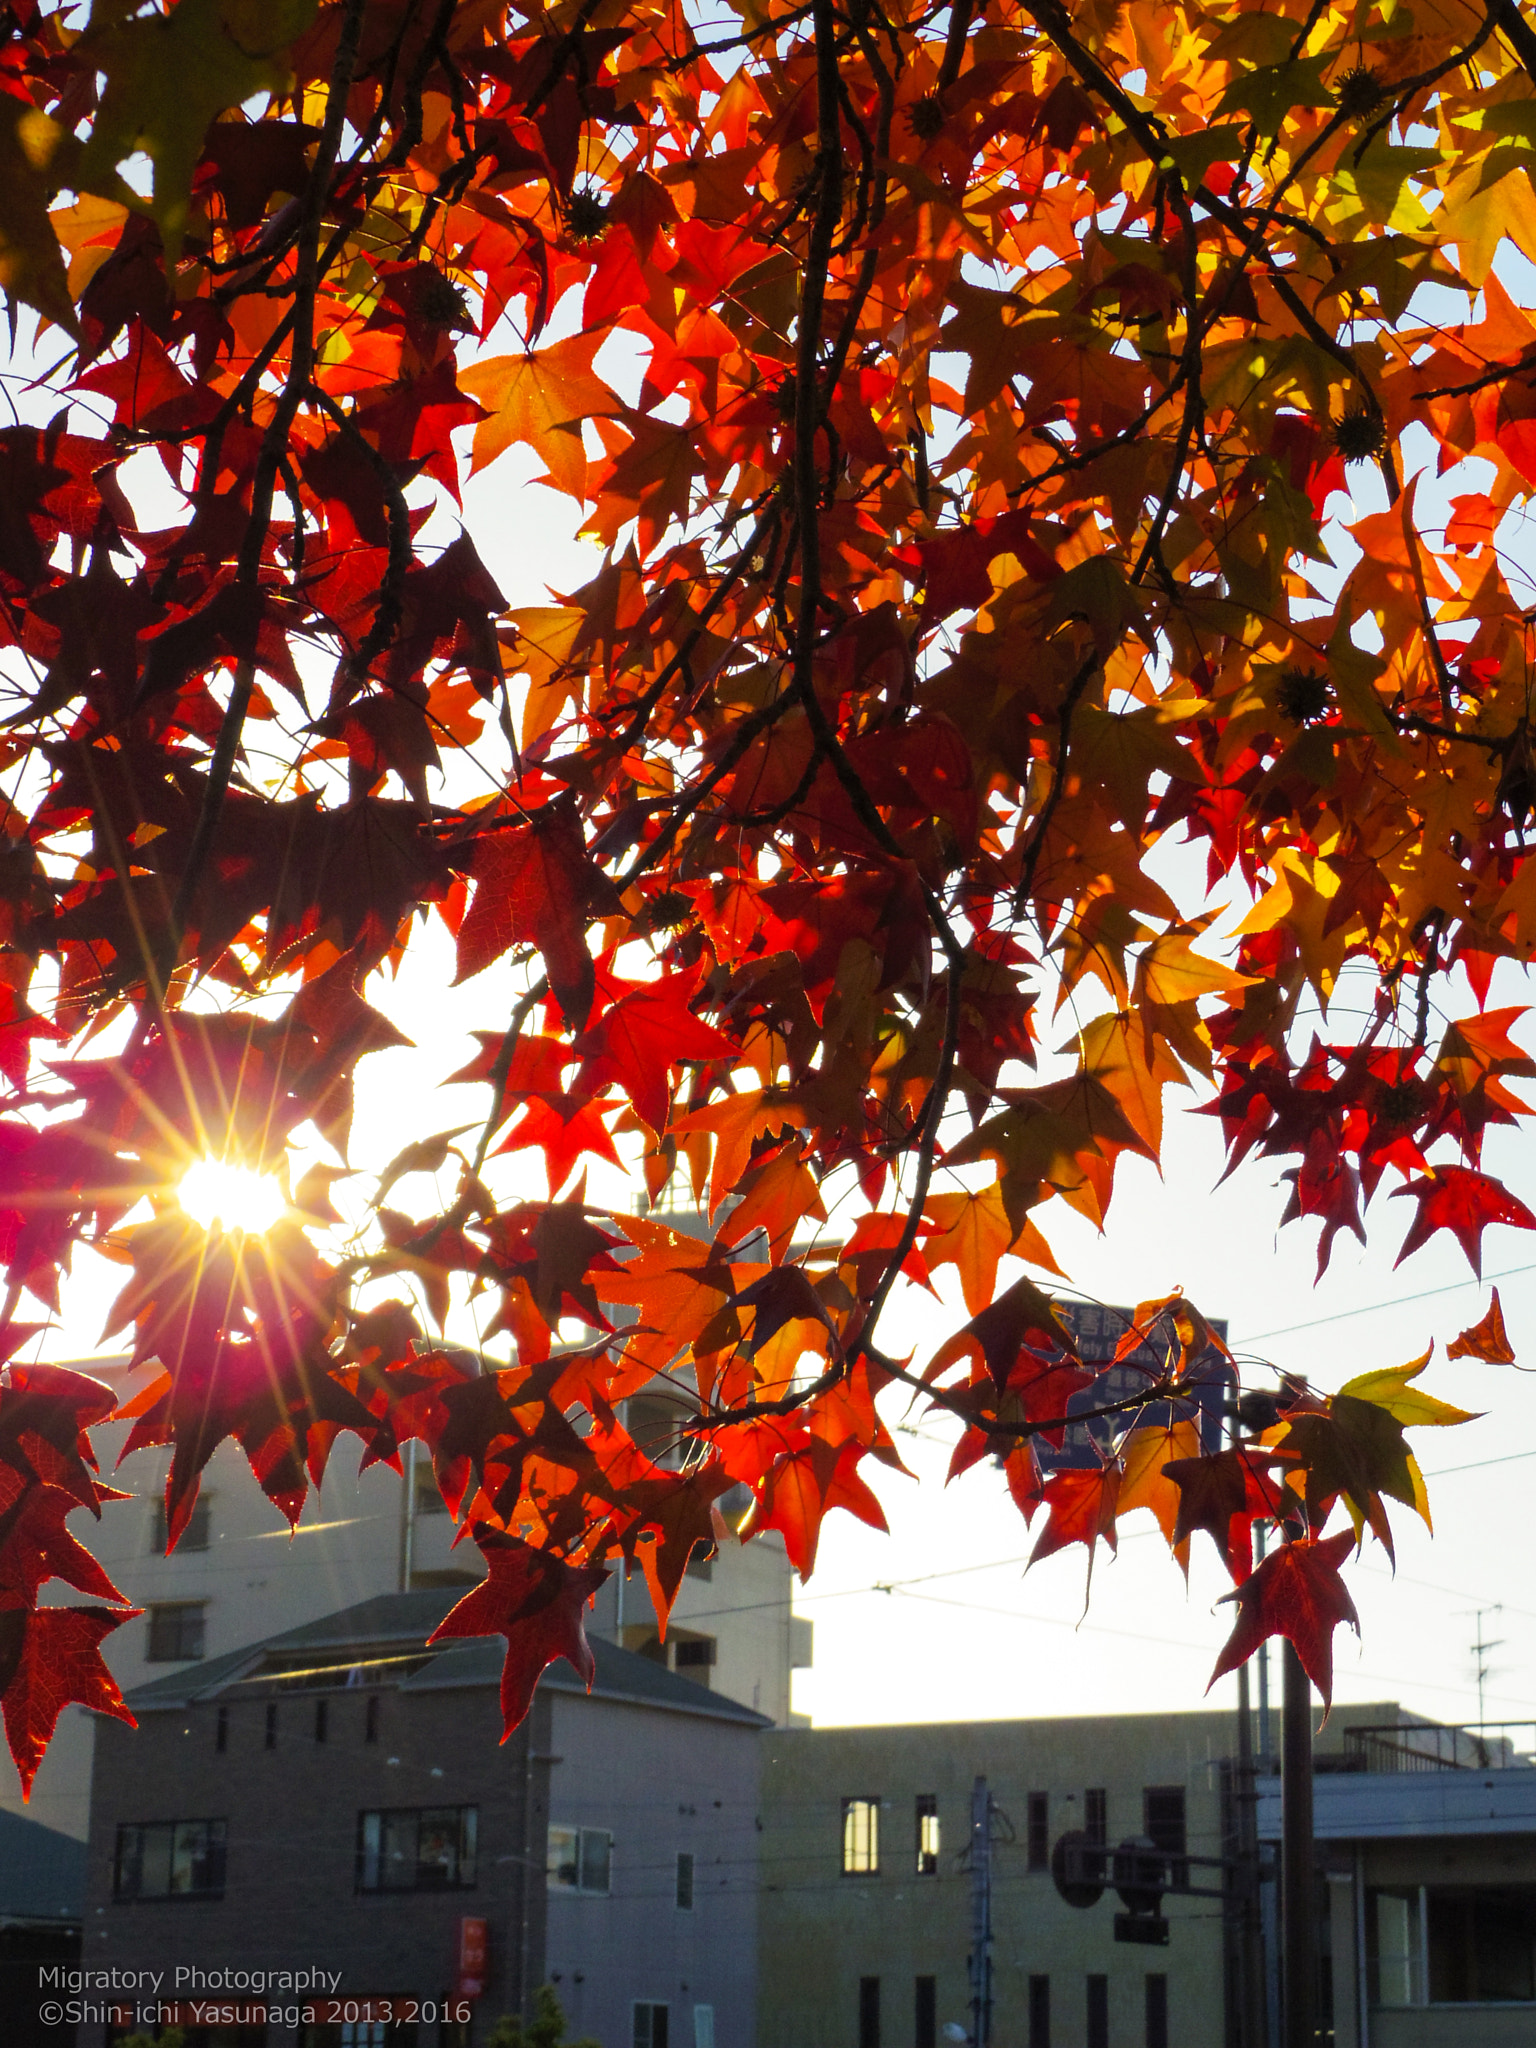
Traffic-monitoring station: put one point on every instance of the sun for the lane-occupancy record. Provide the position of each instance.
(232, 1197)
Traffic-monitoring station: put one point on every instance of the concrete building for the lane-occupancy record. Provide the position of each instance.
(338, 1798)
(1427, 1849)
(238, 1576)
(867, 1891)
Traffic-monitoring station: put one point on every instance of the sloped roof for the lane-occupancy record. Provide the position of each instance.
(42, 1873)
(401, 1622)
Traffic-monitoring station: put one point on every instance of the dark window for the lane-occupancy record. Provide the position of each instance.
(417, 1849)
(271, 1724)
(1482, 1945)
(221, 1729)
(1096, 1814)
(194, 1536)
(869, 2012)
(176, 1632)
(579, 1859)
(170, 1859)
(1157, 2011)
(1039, 2012)
(650, 2025)
(1098, 2012)
(371, 1719)
(861, 1837)
(322, 1719)
(685, 1880)
(927, 1834)
(429, 1498)
(655, 1425)
(1163, 1822)
(1038, 1827)
(701, 1561)
(925, 2012)
(697, 1655)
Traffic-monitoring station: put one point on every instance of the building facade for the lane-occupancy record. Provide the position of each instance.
(238, 1576)
(338, 1800)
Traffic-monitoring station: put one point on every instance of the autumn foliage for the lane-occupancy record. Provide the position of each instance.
(965, 404)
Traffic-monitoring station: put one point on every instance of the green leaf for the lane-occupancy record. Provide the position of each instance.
(1271, 92)
(1409, 1405)
(168, 77)
(36, 157)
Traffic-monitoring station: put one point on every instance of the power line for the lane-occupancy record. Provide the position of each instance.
(1372, 1308)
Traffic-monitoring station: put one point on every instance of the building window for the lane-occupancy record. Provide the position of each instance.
(322, 1719)
(1157, 2011)
(580, 1860)
(1163, 1823)
(925, 2012)
(1098, 2012)
(417, 1849)
(1482, 1944)
(371, 1719)
(869, 2012)
(650, 2025)
(170, 1859)
(193, 1537)
(1039, 2012)
(176, 1632)
(1038, 1831)
(703, 2026)
(861, 1838)
(927, 1834)
(221, 1730)
(271, 1737)
(685, 1880)
(1096, 1815)
(701, 1565)
(695, 1655)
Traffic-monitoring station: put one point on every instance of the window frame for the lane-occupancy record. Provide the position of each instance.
(645, 2037)
(928, 1842)
(194, 1537)
(373, 1857)
(854, 1806)
(159, 1613)
(214, 1851)
(577, 1838)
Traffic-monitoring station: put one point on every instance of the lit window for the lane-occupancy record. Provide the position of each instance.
(927, 1834)
(861, 1837)
(170, 1859)
(419, 1849)
(580, 1860)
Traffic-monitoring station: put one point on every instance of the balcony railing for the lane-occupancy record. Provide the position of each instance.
(1482, 1746)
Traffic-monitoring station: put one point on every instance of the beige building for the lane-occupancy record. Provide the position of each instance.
(238, 1576)
(867, 1891)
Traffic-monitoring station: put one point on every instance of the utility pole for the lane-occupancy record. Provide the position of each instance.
(1298, 1924)
(1480, 1651)
(981, 1915)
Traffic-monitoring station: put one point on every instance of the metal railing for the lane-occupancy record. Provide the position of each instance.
(1405, 1747)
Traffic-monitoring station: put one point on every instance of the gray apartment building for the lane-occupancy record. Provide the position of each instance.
(338, 1799)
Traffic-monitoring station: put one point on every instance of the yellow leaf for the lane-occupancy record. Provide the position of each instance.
(1389, 1389)
(542, 399)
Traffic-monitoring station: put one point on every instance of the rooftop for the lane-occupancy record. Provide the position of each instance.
(42, 1873)
(383, 1641)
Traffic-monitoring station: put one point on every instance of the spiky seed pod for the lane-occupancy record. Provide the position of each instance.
(925, 117)
(1361, 435)
(783, 395)
(586, 216)
(1402, 1103)
(1304, 695)
(668, 911)
(440, 302)
(1359, 92)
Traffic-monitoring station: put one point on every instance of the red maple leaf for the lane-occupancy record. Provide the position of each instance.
(1455, 1198)
(536, 1601)
(1297, 1593)
(533, 886)
(48, 1659)
(1488, 1339)
(648, 1030)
